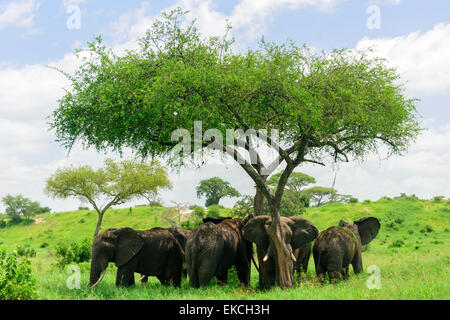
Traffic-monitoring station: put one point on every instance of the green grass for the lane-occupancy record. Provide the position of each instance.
(412, 251)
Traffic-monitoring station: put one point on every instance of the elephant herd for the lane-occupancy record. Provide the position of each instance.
(213, 248)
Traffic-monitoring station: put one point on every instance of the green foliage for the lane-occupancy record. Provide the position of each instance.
(320, 195)
(243, 207)
(438, 198)
(191, 224)
(17, 281)
(3, 224)
(353, 200)
(213, 211)
(18, 208)
(199, 212)
(215, 189)
(25, 251)
(73, 252)
(296, 182)
(118, 182)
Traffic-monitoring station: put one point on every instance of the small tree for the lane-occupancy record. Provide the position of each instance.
(115, 184)
(320, 195)
(215, 189)
(18, 207)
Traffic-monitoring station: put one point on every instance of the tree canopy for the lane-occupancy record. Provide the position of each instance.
(308, 106)
(214, 189)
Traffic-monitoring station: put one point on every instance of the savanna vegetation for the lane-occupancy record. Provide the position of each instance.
(412, 251)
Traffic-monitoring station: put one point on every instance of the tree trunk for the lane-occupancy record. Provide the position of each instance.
(258, 202)
(99, 222)
(283, 255)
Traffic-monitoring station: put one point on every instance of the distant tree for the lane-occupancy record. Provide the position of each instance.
(115, 184)
(19, 207)
(296, 182)
(215, 189)
(320, 195)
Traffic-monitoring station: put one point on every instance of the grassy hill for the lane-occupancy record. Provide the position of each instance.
(412, 251)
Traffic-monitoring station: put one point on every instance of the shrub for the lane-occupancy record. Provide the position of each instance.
(83, 209)
(213, 211)
(44, 245)
(438, 198)
(353, 200)
(191, 224)
(25, 251)
(17, 281)
(199, 212)
(73, 252)
(429, 229)
(2, 224)
(397, 244)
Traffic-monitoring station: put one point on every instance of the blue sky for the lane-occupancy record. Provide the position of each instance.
(413, 35)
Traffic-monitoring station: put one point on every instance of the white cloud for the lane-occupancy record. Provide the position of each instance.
(18, 13)
(422, 58)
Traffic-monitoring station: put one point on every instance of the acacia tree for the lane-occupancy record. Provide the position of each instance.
(309, 107)
(115, 184)
(215, 189)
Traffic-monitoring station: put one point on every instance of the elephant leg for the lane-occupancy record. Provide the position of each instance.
(206, 271)
(222, 279)
(357, 262)
(334, 269)
(305, 261)
(125, 277)
(345, 273)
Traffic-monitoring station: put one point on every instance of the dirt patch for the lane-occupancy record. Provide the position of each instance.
(39, 220)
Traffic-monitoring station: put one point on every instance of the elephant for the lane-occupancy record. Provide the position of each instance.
(298, 234)
(338, 247)
(181, 235)
(214, 247)
(154, 252)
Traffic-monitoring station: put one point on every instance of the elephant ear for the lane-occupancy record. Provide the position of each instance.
(368, 228)
(129, 243)
(303, 232)
(254, 231)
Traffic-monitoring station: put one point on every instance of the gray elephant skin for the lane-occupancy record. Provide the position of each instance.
(214, 247)
(338, 247)
(154, 252)
(298, 234)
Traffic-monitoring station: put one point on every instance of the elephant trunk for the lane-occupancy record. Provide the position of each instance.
(97, 273)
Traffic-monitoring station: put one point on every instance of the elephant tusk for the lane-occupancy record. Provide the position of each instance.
(293, 257)
(266, 257)
(100, 279)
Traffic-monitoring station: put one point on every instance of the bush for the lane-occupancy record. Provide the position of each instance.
(25, 251)
(438, 198)
(199, 212)
(17, 281)
(44, 245)
(83, 209)
(213, 211)
(73, 252)
(397, 244)
(3, 224)
(191, 224)
(353, 200)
